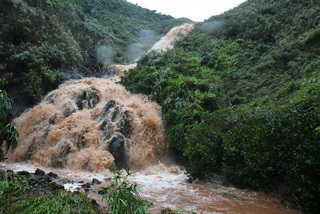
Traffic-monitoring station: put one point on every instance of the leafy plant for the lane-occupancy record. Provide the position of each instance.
(8, 133)
(243, 100)
(18, 196)
(123, 197)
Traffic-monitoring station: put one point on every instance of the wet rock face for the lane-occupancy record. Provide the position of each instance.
(90, 124)
(87, 98)
(116, 126)
(117, 149)
(61, 159)
(68, 109)
(113, 113)
(37, 143)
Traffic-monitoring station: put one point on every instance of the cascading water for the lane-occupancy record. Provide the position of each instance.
(91, 124)
(175, 34)
(87, 126)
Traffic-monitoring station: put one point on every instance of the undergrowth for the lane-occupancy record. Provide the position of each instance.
(17, 196)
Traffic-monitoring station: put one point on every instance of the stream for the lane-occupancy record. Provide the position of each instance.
(85, 127)
(168, 187)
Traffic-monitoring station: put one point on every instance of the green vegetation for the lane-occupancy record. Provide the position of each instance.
(18, 196)
(122, 196)
(42, 39)
(8, 133)
(240, 97)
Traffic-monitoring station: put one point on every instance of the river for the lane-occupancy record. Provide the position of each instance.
(85, 127)
(168, 187)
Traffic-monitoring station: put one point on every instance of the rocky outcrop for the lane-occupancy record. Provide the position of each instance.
(91, 124)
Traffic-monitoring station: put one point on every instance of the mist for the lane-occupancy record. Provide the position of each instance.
(146, 38)
(213, 26)
(104, 54)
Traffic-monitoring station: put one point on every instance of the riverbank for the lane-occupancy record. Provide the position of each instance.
(168, 187)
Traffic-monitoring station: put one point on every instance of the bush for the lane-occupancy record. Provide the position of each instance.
(8, 133)
(269, 150)
(18, 196)
(122, 196)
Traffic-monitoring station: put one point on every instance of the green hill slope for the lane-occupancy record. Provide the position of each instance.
(240, 96)
(41, 39)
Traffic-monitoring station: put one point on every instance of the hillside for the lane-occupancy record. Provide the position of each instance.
(240, 97)
(40, 40)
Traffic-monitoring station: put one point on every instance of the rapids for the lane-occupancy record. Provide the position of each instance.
(175, 34)
(85, 127)
(91, 124)
(168, 187)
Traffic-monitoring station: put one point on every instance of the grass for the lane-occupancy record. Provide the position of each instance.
(19, 197)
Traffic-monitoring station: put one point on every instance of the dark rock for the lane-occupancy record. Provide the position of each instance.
(87, 98)
(80, 142)
(125, 126)
(117, 149)
(61, 160)
(60, 182)
(101, 192)
(37, 142)
(86, 186)
(107, 179)
(56, 186)
(68, 109)
(107, 129)
(53, 175)
(50, 98)
(39, 180)
(109, 105)
(10, 171)
(23, 172)
(96, 181)
(39, 172)
(115, 113)
(52, 120)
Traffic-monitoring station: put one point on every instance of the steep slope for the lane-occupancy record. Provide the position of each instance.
(40, 40)
(175, 34)
(240, 96)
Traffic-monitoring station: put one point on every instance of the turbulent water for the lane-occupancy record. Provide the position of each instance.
(87, 126)
(168, 187)
(91, 124)
(175, 34)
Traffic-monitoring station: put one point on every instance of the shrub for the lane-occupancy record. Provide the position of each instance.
(122, 196)
(8, 133)
(19, 196)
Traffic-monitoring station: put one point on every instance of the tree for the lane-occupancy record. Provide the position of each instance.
(8, 133)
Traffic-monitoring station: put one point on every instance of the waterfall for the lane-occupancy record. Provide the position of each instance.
(91, 124)
(95, 124)
(175, 34)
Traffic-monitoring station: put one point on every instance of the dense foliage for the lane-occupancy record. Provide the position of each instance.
(42, 39)
(240, 97)
(8, 132)
(18, 195)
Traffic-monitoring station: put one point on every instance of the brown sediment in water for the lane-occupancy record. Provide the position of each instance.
(168, 187)
(74, 126)
(175, 34)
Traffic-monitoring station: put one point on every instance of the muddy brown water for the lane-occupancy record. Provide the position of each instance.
(168, 187)
(87, 126)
